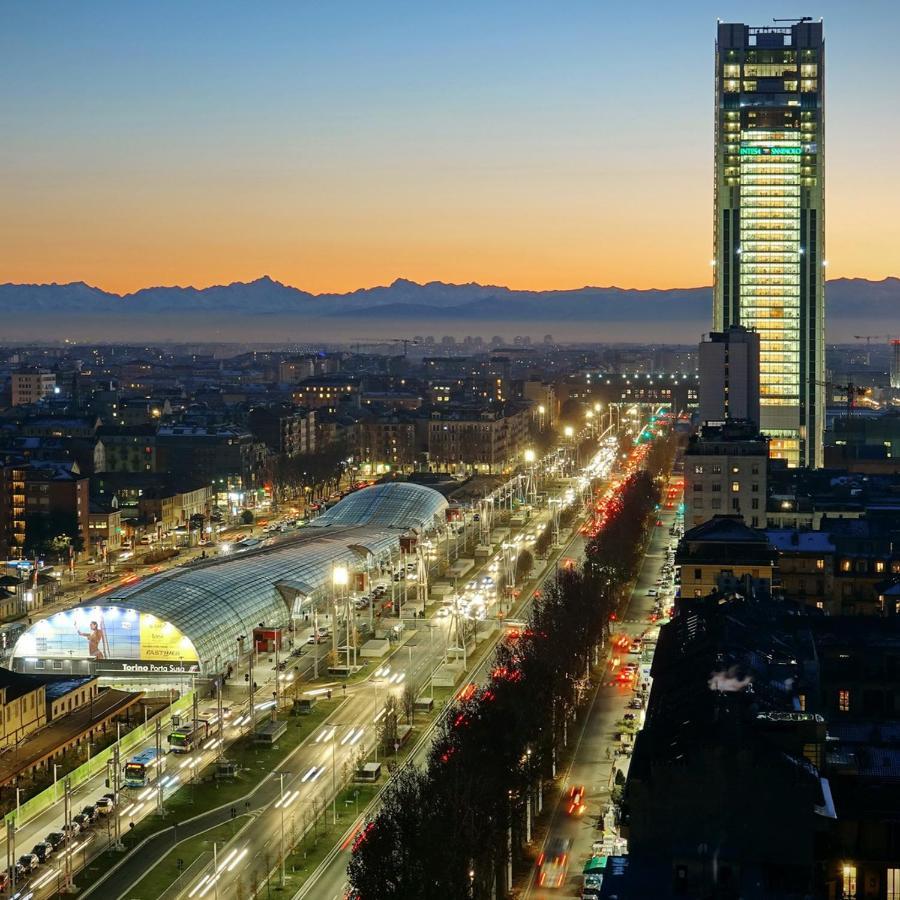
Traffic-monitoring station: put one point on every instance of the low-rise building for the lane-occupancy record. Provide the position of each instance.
(284, 429)
(723, 547)
(725, 473)
(23, 708)
(30, 385)
(326, 391)
(57, 496)
(129, 448)
(474, 438)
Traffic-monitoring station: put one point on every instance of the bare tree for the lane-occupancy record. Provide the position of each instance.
(408, 702)
(387, 728)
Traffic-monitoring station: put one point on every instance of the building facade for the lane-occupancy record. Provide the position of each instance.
(487, 441)
(729, 376)
(769, 225)
(725, 474)
(31, 385)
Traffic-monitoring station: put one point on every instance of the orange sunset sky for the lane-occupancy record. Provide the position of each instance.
(340, 146)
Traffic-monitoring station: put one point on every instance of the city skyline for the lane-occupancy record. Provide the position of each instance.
(343, 148)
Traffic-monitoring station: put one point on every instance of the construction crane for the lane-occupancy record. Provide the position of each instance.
(868, 338)
(850, 389)
(357, 342)
(405, 341)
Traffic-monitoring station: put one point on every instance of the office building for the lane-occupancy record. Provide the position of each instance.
(895, 363)
(729, 376)
(769, 220)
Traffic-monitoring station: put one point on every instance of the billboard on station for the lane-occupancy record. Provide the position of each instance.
(105, 634)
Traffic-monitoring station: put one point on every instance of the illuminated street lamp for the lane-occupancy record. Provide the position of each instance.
(340, 577)
(530, 485)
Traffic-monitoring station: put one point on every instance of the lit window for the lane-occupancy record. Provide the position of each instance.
(698, 469)
(893, 884)
(879, 566)
(844, 700)
(845, 565)
(735, 487)
(820, 564)
(848, 883)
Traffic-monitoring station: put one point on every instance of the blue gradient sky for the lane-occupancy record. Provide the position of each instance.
(335, 145)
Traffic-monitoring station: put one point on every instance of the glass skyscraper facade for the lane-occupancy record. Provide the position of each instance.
(769, 220)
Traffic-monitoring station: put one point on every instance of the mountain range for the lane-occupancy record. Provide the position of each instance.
(265, 309)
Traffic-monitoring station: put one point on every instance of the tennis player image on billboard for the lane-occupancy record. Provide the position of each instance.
(106, 633)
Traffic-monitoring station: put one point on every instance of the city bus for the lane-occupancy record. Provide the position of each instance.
(140, 768)
(188, 736)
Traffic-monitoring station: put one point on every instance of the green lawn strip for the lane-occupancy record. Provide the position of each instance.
(309, 853)
(166, 872)
(195, 799)
(253, 762)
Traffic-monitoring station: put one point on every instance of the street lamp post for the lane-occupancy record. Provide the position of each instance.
(340, 577)
(333, 779)
(281, 802)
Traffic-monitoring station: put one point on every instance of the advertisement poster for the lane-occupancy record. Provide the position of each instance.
(106, 633)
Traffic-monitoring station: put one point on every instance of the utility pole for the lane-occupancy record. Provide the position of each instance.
(250, 686)
(315, 641)
(11, 851)
(281, 775)
(117, 770)
(221, 722)
(67, 857)
(277, 673)
(159, 789)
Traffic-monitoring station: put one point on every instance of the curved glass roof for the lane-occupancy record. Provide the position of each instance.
(397, 504)
(213, 603)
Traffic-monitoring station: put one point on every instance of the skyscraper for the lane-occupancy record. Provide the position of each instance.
(769, 220)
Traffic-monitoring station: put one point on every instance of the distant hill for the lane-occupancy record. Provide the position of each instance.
(268, 310)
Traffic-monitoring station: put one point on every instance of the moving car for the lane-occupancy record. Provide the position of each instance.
(553, 863)
(576, 800)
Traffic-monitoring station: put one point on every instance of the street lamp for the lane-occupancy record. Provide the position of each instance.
(569, 431)
(529, 456)
(340, 577)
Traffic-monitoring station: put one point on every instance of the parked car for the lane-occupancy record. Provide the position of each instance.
(105, 806)
(90, 811)
(71, 829)
(29, 861)
(55, 839)
(82, 821)
(42, 851)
